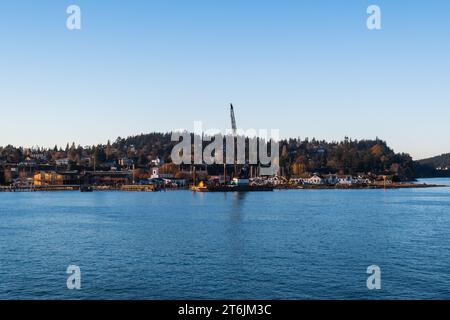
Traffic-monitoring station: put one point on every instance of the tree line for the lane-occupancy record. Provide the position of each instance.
(298, 157)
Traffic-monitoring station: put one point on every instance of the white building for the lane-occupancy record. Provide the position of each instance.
(155, 173)
(346, 180)
(315, 180)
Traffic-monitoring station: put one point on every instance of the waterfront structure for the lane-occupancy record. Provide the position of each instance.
(53, 178)
(48, 178)
(240, 182)
(110, 178)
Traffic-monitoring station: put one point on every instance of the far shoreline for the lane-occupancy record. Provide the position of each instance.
(400, 185)
(137, 188)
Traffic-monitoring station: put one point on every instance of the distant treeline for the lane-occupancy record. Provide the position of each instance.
(427, 168)
(298, 157)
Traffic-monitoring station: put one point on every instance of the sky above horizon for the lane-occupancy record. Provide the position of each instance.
(309, 68)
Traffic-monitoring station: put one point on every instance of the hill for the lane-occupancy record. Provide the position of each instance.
(433, 167)
(438, 161)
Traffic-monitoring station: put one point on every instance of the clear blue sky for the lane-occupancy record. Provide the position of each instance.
(310, 68)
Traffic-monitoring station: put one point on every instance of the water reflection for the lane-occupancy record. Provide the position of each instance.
(236, 235)
(237, 206)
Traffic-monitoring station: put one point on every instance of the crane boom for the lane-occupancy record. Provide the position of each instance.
(233, 120)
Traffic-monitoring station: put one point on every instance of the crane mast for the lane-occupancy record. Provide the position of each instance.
(234, 128)
(233, 120)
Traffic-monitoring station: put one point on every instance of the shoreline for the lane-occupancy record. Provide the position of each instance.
(403, 185)
(138, 188)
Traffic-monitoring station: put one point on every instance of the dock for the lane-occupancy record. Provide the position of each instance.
(48, 188)
(138, 188)
(233, 188)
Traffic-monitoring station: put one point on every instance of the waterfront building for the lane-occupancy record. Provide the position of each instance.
(346, 180)
(331, 179)
(53, 178)
(42, 178)
(315, 180)
(108, 178)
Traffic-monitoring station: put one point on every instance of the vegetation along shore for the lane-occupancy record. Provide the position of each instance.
(143, 163)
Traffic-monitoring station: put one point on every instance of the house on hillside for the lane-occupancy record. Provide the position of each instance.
(62, 162)
(125, 162)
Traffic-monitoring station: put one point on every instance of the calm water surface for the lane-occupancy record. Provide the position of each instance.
(307, 244)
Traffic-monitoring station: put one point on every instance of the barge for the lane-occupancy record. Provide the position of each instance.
(231, 188)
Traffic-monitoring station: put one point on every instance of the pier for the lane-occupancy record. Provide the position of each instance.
(40, 188)
(138, 188)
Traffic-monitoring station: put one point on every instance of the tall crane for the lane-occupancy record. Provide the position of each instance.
(233, 120)
(242, 177)
(234, 128)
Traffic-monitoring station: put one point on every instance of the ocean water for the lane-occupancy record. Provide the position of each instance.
(305, 244)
